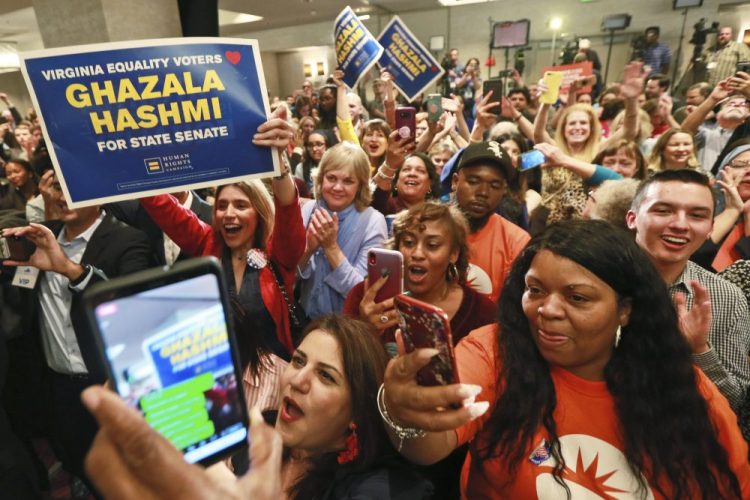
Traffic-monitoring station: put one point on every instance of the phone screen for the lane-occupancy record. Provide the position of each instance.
(531, 159)
(170, 357)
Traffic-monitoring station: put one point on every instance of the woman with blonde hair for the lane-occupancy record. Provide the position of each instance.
(578, 137)
(341, 228)
(675, 149)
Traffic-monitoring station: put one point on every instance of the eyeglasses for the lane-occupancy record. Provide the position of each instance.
(737, 104)
(740, 164)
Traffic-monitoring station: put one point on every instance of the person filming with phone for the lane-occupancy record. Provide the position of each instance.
(432, 238)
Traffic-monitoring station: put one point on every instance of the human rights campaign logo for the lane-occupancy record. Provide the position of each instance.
(154, 166)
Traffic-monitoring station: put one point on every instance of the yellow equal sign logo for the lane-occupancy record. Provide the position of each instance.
(153, 165)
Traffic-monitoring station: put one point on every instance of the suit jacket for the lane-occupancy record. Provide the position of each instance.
(115, 249)
(132, 213)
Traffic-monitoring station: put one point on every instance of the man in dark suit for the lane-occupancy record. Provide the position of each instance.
(82, 247)
(166, 251)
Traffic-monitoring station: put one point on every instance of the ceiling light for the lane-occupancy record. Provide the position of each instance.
(555, 23)
(227, 17)
(364, 18)
(455, 3)
(9, 56)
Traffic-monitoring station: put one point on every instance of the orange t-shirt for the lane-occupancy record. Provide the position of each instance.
(493, 250)
(588, 430)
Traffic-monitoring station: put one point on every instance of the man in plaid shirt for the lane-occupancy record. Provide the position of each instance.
(672, 215)
(722, 57)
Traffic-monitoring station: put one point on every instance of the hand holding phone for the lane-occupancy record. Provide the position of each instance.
(496, 86)
(553, 81)
(530, 159)
(180, 364)
(426, 326)
(386, 263)
(16, 248)
(434, 107)
(406, 122)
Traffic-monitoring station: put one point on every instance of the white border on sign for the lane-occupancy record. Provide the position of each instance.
(134, 44)
(405, 27)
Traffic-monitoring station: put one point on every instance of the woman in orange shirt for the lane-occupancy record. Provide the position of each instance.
(589, 389)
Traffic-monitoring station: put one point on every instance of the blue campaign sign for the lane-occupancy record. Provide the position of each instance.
(125, 120)
(195, 346)
(412, 66)
(356, 49)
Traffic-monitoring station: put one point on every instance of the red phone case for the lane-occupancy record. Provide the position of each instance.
(381, 262)
(406, 118)
(424, 325)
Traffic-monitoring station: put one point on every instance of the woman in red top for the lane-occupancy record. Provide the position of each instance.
(242, 236)
(590, 386)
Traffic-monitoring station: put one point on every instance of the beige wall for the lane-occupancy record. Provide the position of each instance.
(467, 28)
(285, 50)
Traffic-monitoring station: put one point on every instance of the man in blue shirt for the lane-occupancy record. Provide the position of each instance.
(658, 55)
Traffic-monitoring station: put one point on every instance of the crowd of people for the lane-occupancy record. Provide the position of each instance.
(598, 303)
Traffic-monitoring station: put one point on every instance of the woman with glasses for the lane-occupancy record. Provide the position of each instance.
(730, 238)
(316, 144)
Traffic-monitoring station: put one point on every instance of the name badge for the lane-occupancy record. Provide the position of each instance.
(25, 277)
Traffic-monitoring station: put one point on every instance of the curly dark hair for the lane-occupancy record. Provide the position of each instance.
(666, 429)
(458, 230)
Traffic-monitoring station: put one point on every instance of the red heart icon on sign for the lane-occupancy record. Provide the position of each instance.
(233, 56)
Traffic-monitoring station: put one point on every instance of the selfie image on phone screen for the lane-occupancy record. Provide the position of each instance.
(169, 352)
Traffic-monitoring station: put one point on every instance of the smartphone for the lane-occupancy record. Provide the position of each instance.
(553, 79)
(743, 66)
(406, 122)
(505, 73)
(424, 325)
(434, 107)
(496, 86)
(449, 105)
(382, 262)
(16, 248)
(531, 159)
(166, 337)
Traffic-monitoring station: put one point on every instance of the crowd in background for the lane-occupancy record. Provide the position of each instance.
(619, 267)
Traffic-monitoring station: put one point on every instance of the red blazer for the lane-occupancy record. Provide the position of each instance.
(285, 249)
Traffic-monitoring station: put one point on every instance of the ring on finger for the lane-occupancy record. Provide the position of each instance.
(384, 318)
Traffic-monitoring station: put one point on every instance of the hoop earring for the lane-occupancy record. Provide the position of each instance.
(451, 274)
(618, 336)
(351, 451)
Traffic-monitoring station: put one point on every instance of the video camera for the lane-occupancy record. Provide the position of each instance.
(639, 48)
(700, 31)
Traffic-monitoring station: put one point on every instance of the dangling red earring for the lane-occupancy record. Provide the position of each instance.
(352, 446)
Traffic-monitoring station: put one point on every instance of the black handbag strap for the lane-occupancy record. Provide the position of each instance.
(290, 305)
